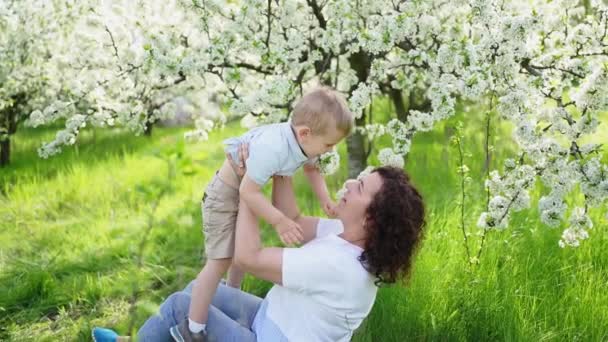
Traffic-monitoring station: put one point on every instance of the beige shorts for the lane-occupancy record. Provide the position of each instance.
(220, 208)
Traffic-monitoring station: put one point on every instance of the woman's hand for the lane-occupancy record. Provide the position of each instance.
(241, 167)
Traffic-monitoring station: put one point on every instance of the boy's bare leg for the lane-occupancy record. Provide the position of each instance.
(204, 288)
(235, 277)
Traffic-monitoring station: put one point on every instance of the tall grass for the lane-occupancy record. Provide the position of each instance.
(71, 228)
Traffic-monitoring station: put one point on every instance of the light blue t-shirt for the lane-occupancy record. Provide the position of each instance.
(273, 150)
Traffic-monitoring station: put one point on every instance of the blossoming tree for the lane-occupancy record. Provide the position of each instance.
(124, 64)
(29, 33)
(538, 65)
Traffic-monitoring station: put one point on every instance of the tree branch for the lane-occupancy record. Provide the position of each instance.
(269, 23)
(244, 65)
(114, 46)
(552, 67)
(316, 10)
(181, 78)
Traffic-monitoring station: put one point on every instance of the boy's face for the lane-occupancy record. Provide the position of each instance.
(319, 143)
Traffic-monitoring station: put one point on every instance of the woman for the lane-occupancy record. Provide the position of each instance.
(324, 289)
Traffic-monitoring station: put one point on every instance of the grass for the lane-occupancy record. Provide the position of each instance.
(71, 229)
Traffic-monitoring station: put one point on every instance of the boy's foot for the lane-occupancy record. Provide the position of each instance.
(181, 333)
(104, 335)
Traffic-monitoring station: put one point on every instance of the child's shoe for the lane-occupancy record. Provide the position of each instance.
(104, 335)
(182, 333)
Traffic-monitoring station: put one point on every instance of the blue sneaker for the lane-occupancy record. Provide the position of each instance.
(104, 335)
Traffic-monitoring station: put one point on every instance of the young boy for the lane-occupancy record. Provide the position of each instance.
(319, 121)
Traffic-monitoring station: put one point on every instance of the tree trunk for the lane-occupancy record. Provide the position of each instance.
(397, 98)
(357, 155)
(149, 124)
(5, 152)
(10, 122)
(361, 63)
(417, 103)
(148, 128)
(587, 5)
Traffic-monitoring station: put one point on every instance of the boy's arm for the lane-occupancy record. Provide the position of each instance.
(319, 187)
(284, 199)
(251, 194)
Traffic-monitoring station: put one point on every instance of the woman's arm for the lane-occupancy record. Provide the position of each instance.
(250, 255)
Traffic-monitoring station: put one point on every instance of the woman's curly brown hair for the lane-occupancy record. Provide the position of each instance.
(394, 224)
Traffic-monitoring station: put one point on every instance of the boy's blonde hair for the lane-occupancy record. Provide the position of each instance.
(322, 107)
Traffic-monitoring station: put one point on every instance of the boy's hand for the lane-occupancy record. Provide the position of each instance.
(289, 231)
(329, 208)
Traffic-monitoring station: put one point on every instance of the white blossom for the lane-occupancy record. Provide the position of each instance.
(387, 156)
(541, 78)
(552, 210)
(328, 163)
(362, 97)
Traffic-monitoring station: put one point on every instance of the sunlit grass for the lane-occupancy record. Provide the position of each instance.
(71, 227)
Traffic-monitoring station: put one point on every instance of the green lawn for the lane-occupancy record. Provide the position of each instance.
(116, 221)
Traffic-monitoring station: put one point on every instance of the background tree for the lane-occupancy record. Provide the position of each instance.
(30, 32)
(537, 66)
(125, 64)
(540, 66)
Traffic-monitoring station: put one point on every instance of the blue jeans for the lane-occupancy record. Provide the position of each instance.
(231, 316)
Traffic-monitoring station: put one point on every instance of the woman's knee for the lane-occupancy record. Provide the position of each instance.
(172, 311)
(176, 306)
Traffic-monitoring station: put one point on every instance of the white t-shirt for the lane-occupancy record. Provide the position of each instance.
(326, 292)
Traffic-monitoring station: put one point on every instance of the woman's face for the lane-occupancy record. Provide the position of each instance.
(359, 194)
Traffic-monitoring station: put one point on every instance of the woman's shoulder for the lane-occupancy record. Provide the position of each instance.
(327, 226)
